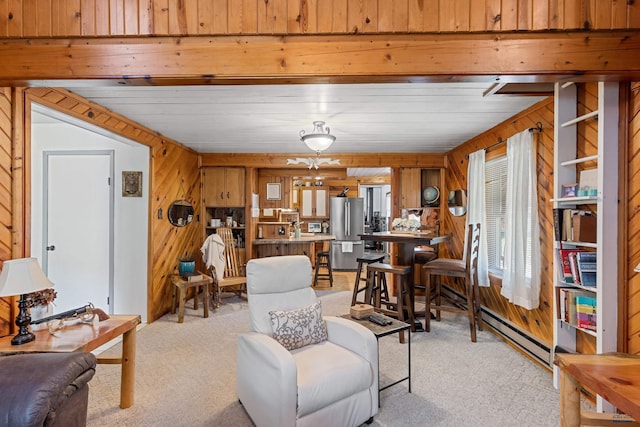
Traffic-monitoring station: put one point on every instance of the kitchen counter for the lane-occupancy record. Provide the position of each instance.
(293, 240)
(304, 245)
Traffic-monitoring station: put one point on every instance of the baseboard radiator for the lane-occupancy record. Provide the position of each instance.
(521, 339)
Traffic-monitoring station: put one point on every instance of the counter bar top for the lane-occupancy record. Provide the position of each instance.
(293, 240)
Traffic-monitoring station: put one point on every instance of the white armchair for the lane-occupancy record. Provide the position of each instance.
(330, 383)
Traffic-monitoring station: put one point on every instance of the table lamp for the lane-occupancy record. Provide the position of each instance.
(21, 277)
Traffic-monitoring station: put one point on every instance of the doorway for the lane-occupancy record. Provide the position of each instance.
(77, 252)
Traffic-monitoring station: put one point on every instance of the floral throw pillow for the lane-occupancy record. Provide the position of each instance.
(297, 328)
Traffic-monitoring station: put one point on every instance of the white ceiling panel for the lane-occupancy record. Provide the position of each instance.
(365, 118)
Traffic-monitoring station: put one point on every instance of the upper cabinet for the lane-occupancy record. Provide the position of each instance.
(421, 188)
(223, 187)
(314, 202)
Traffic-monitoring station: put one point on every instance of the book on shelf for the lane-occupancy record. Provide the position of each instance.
(557, 223)
(566, 274)
(586, 312)
(587, 267)
(573, 263)
(576, 225)
(569, 306)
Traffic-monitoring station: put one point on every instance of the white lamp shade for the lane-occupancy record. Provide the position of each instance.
(318, 142)
(22, 276)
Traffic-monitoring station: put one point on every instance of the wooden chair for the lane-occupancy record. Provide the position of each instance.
(427, 253)
(467, 270)
(234, 271)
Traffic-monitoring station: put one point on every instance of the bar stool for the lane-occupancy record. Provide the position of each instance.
(377, 283)
(362, 261)
(323, 260)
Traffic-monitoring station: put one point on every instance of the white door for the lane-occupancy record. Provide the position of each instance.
(77, 225)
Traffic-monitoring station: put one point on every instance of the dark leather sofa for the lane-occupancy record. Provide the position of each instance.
(45, 389)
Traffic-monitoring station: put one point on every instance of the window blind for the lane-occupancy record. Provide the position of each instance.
(496, 205)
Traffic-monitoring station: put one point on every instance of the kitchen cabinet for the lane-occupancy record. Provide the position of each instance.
(314, 202)
(223, 187)
(422, 188)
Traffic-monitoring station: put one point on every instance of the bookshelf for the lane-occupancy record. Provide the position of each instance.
(567, 165)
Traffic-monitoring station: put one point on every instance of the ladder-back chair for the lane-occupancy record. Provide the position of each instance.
(466, 269)
(234, 278)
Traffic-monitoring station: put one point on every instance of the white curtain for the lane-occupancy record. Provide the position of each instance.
(521, 274)
(476, 211)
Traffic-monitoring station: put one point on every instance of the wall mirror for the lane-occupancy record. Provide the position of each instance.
(180, 213)
(457, 202)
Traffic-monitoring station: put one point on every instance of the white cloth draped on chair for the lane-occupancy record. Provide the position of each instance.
(521, 274)
(213, 254)
(476, 211)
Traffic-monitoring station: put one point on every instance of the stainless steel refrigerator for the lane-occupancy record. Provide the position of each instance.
(347, 223)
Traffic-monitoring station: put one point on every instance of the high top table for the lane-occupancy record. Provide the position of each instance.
(85, 337)
(407, 243)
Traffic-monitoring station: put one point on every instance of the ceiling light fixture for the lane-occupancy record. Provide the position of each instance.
(318, 140)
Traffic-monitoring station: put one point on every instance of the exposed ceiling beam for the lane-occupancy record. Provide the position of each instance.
(207, 60)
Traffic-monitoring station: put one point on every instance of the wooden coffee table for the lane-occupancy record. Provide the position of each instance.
(380, 331)
(85, 337)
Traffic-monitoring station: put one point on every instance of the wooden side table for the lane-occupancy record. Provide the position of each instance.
(87, 337)
(614, 376)
(180, 287)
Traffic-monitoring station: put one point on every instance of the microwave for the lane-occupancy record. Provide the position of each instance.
(315, 227)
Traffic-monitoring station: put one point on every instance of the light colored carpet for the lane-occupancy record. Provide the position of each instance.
(185, 376)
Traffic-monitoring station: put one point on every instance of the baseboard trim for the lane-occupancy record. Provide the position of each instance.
(519, 338)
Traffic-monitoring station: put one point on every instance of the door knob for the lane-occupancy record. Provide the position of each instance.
(51, 248)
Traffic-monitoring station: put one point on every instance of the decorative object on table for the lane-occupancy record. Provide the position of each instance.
(22, 277)
(361, 311)
(131, 184)
(41, 305)
(431, 195)
(186, 264)
(85, 314)
(405, 224)
(319, 139)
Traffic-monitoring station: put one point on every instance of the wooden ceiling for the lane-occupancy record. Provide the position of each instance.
(365, 118)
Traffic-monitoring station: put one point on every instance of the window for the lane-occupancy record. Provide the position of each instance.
(496, 205)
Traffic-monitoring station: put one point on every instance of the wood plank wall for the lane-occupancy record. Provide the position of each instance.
(631, 293)
(68, 18)
(174, 174)
(6, 208)
(538, 322)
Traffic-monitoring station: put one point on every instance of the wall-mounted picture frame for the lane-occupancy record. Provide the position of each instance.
(273, 191)
(131, 183)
